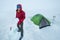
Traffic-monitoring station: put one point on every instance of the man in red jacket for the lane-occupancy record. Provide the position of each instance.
(20, 14)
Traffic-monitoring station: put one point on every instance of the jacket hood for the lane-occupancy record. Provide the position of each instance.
(19, 6)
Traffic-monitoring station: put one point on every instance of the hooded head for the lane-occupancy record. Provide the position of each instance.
(19, 6)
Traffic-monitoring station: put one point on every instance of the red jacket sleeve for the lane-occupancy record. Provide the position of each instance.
(22, 17)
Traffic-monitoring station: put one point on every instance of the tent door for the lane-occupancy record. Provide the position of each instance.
(43, 23)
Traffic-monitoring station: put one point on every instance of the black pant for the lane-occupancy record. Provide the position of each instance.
(21, 30)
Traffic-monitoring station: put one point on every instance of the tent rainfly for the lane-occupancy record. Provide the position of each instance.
(40, 20)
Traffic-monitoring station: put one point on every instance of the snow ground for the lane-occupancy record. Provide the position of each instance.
(48, 8)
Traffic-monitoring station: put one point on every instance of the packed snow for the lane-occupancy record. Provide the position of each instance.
(48, 8)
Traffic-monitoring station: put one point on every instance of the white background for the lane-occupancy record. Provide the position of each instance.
(48, 8)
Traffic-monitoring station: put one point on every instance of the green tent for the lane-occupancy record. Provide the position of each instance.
(40, 20)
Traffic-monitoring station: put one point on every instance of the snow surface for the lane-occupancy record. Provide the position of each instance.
(48, 8)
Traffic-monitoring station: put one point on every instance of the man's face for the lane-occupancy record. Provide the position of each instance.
(19, 9)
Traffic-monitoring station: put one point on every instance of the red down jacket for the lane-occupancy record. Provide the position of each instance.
(20, 15)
